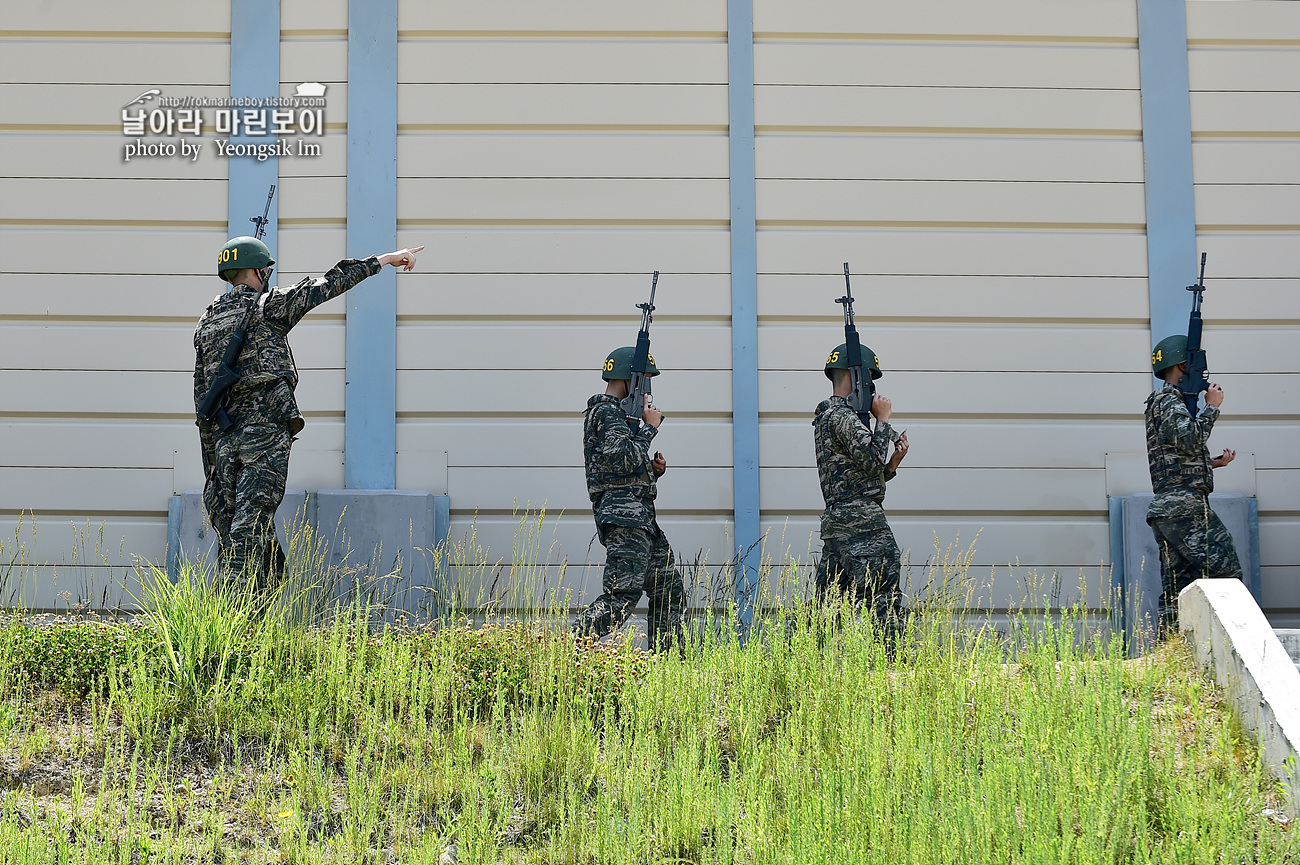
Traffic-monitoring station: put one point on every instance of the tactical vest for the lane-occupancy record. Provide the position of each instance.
(266, 361)
(1174, 470)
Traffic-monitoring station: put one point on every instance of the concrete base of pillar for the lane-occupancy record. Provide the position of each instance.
(1137, 561)
(373, 545)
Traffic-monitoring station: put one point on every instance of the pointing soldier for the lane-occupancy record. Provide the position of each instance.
(1193, 541)
(246, 439)
(621, 478)
(860, 558)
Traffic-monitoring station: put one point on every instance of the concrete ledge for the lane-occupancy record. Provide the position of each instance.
(1230, 635)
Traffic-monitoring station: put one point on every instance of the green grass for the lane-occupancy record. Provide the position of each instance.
(219, 732)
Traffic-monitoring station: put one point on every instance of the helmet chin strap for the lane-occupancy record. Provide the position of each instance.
(265, 274)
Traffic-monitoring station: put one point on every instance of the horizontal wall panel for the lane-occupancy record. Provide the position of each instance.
(311, 198)
(986, 347)
(892, 297)
(1257, 68)
(95, 105)
(310, 251)
(1113, 19)
(92, 445)
(137, 394)
(542, 199)
(1278, 490)
(552, 105)
(80, 155)
(313, 15)
(1279, 541)
(1031, 111)
(1060, 542)
(576, 250)
(1245, 114)
(667, 155)
(117, 200)
(1235, 204)
(978, 347)
(1263, 20)
(117, 61)
(426, 60)
(1281, 587)
(554, 345)
(1006, 299)
(322, 59)
(1077, 542)
(577, 15)
(430, 294)
(330, 162)
(981, 393)
(948, 201)
(88, 489)
(917, 157)
(843, 62)
(63, 539)
(685, 442)
(537, 391)
(1266, 161)
(507, 487)
(1250, 256)
(157, 348)
(99, 251)
(956, 253)
(175, 297)
(953, 490)
(144, 16)
(969, 444)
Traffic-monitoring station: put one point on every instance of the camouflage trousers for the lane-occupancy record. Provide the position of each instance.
(637, 560)
(252, 469)
(863, 568)
(1191, 547)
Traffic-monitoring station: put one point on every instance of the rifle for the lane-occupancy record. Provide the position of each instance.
(1197, 376)
(634, 403)
(864, 389)
(212, 408)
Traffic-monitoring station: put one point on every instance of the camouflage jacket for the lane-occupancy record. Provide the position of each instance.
(617, 460)
(853, 465)
(1181, 473)
(264, 393)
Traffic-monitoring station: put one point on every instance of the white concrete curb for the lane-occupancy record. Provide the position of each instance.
(1231, 635)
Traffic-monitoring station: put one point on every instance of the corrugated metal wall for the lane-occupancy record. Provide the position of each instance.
(979, 164)
(1244, 68)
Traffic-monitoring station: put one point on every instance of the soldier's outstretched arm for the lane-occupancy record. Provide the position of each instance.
(285, 307)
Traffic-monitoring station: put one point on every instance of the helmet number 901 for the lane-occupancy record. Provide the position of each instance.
(228, 255)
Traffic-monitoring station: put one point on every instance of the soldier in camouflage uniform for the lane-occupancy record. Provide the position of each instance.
(860, 558)
(246, 465)
(1193, 541)
(621, 483)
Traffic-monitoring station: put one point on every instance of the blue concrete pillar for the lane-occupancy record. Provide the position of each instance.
(254, 73)
(744, 302)
(370, 391)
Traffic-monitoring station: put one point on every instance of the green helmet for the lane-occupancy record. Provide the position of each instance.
(618, 365)
(243, 252)
(1169, 352)
(839, 359)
